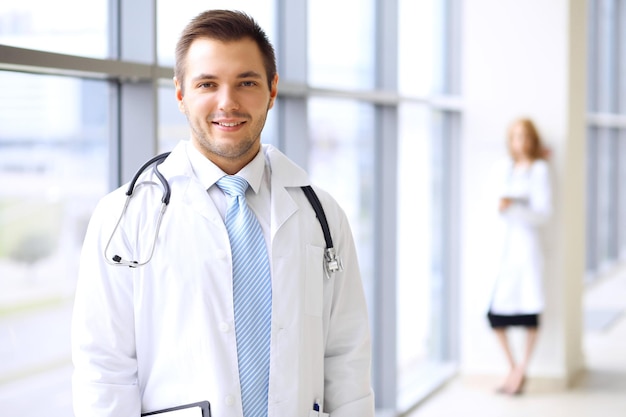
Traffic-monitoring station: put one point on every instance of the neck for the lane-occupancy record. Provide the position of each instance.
(523, 162)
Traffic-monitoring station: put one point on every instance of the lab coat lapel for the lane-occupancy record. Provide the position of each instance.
(198, 198)
(285, 174)
(177, 168)
(283, 207)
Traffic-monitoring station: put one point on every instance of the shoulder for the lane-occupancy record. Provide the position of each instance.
(287, 174)
(335, 214)
(540, 167)
(284, 171)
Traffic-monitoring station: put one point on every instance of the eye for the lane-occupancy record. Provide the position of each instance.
(206, 84)
(248, 83)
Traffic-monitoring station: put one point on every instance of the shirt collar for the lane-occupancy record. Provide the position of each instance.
(208, 173)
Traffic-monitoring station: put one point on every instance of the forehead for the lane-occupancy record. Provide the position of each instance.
(221, 59)
(520, 129)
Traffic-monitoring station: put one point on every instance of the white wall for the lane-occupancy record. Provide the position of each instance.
(524, 58)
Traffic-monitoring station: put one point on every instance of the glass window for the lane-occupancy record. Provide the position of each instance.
(608, 57)
(606, 193)
(421, 299)
(173, 125)
(47, 26)
(341, 160)
(341, 44)
(173, 16)
(54, 168)
(420, 69)
(606, 159)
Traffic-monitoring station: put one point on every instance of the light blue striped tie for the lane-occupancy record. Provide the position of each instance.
(252, 296)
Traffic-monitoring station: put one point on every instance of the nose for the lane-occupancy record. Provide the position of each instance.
(228, 99)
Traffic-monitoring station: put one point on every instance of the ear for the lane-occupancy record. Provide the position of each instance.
(273, 91)
(179, 95)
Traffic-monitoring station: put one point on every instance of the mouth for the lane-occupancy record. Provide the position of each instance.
(228, 124)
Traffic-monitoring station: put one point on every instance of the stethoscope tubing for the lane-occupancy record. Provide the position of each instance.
(117, 260)
(332, 261)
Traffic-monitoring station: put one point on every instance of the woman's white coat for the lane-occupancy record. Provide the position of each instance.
(162, 335)
(519, 244)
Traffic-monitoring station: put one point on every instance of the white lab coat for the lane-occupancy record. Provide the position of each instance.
(163, 335)
(519, 245)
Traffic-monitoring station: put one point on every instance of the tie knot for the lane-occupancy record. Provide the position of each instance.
(233, 185)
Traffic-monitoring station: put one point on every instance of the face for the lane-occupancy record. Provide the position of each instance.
(226, 100)
(521, 142)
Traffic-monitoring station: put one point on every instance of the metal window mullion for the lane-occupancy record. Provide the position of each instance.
(614, 53)
(385, 220)
(292, 60)
(592, 60)
(621, 51)
(41, 62)
(137, 100)
(614, 192)
(452, 123)
(621, 186)
(592, 199)
(449, 148)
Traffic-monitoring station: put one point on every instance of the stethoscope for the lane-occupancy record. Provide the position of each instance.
(117, 260)
(332, 261)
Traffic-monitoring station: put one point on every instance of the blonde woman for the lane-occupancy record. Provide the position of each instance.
(524, 206)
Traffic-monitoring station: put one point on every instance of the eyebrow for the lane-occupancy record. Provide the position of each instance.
(246, 74)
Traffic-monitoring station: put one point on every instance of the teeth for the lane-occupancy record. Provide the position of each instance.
(229, 124)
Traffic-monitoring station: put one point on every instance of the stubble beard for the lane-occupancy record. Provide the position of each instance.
(233, 151)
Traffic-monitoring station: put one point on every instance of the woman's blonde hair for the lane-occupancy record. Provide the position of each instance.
(536, 150)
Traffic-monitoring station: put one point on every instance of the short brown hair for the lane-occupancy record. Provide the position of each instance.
(537, 150)
(225, 26)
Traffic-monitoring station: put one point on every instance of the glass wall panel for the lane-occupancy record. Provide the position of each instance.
(415, 251)
(606, 202)
(423, 184)
(606, 194)
(173, 125)
(173, 16)
(48, 26)
(341, 160)
(420, 51)
(342, 44)
(54, 168)
(608, 57)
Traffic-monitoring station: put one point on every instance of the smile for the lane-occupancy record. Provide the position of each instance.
(229, 124)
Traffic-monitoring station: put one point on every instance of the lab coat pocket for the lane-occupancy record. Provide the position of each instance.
(314, 286)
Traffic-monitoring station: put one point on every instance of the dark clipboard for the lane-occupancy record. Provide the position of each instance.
(204, 406)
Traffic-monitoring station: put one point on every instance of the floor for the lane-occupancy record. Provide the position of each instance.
(601, 391)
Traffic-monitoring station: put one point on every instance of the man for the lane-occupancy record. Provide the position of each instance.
(169, 332)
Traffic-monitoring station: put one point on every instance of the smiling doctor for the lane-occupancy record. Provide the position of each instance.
(165, 334)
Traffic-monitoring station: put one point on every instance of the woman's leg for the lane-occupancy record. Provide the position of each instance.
(519, 375)
(504, 343)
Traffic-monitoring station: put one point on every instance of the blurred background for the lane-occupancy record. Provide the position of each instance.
(397, 107)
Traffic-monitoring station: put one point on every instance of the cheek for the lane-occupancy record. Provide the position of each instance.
(199, 104)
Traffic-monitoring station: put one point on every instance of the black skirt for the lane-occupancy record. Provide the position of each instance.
(524, 320)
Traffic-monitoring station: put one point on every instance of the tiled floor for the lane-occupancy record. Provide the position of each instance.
(600, 392)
